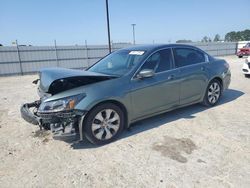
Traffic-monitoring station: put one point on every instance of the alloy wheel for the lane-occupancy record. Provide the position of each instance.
(214, 92)
(105, 124)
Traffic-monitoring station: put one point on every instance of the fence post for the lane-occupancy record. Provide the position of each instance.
(87, 53)
(57, 62)
(19, 58)
(236, 47)
(111, 46)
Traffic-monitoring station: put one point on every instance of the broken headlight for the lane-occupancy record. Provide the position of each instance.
(63, 104)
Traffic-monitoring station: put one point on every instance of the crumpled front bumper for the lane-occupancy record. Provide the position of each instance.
(65, 123)
(27, 115)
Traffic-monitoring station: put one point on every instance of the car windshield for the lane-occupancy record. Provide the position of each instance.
(118, 63)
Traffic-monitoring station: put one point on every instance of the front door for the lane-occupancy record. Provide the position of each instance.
(159, 92)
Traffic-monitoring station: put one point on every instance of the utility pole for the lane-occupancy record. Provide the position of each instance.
(107, 14)
(133, 25)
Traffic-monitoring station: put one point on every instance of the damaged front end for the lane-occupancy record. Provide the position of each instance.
(59, 114)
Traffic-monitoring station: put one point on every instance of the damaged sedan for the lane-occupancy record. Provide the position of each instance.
(125, 86)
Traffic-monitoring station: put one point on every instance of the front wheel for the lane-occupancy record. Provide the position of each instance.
(104, 123)
(213, 93)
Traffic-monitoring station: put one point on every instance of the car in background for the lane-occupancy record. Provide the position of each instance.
(245, 51)
(124, 87)
(246, 67)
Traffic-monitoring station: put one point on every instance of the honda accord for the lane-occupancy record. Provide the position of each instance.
(125, 86)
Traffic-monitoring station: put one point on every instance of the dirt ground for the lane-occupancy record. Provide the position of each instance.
(190, 147)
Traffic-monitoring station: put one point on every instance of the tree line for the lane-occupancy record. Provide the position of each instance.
(238, 36)
(232, 36)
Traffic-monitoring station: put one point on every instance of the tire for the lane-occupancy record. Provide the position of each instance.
(212, 96)
(247, 75)
(240, 56)
(100, 129)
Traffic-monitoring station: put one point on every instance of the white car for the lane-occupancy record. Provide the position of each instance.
(246, 67)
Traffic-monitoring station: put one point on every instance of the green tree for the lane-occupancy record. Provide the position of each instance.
(216, 38)
(246, 34)
(231, 36)
(238, 36)
(205, 39)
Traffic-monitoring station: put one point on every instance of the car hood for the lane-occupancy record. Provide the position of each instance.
(56, 80)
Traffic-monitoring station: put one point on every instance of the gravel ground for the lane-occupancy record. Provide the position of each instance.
(191, 147)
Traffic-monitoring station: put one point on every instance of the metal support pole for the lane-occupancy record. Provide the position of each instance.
(107, 14)
(87, 52)
(19, 58)
(57, 62)
(133, 25)
(236, 47)
(112, 46)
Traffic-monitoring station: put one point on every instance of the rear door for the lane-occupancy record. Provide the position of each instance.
(192, 66)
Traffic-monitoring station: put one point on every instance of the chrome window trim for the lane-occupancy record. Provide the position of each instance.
(172, 64)
(195, 49)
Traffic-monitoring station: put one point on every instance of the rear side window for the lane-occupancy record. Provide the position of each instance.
(159, 61)
(187, 56)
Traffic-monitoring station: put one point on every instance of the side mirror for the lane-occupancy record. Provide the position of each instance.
(145, 73)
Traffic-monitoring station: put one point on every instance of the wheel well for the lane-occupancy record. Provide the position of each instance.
(117, 103)
(219, 80)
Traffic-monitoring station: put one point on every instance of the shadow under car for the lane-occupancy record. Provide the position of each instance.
(159, 120)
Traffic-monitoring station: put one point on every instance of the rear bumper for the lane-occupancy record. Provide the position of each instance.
(245, 71)
(246, 53)
(246, 68)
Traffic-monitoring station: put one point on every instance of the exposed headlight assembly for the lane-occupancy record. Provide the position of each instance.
(63, 104)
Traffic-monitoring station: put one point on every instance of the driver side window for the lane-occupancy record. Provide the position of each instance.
(159, 61)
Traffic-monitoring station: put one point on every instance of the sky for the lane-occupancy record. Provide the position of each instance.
(40, 22)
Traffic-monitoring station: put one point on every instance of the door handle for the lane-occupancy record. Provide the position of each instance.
(171, 77)
(203, 68)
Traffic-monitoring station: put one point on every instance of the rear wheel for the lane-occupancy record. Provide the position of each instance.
(240, 56)
(213, 93)
(104, 123)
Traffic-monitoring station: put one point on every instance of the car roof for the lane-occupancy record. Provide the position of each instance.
(153, 47)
